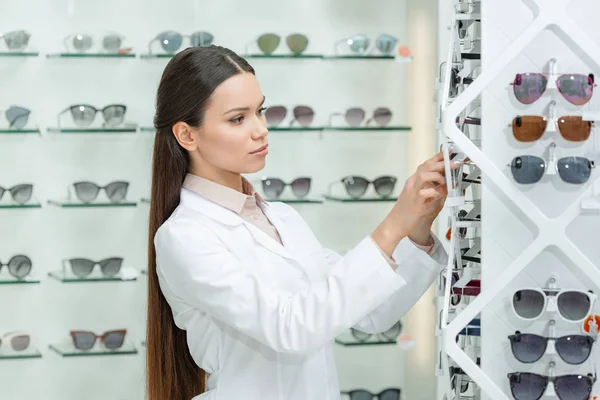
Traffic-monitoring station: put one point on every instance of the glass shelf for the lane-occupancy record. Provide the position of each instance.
(9, 280)
(73, 204)
(6, 354)
(68, 350)
(160, 55)
(91, 55)
(145, 200)
(279, 56)
(358, 57)
(361, 199)
(346, 339)
(298, 201)
(16, 206)
(128, 129)
(147, 129)
(367, 128)
(126, 275)
(19, 54)
(295, 128)
(18, 131)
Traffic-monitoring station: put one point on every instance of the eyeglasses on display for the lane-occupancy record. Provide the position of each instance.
(17, 117)
(572, 305)
(273, 187)
(572, 349)
(80, 42)
(530, 386)
(84, 114)
(269, 42)
(88, 191)
(356, 186)
(16, 40)
(530, 169)
(17, 341)
(389, 335)
(171, 41)
(83, 267)
(386, 394)
(529, 128)
(577, 89)
(360, 44)
(85, 340)
(19, 266)
(304, 115)
(355, 116)
(20, 193)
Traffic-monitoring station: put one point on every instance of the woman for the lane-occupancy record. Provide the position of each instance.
(243, 301)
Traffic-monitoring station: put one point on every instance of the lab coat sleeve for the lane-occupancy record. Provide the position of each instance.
(200, 269)
(418, 269)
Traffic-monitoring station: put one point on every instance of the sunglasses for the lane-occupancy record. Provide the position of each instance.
(81, 42)
(360, 44)
(530, 386)
(572, 349)
(456, 80)
(390, 335)
(17, 117)
(356, 186)
(577, 89)
(171, 41)
(18, 341)
(16, 40)
(85, 340)
(273, 187)
(304, 115)
(572, 305)
(88, 191)
(387, 394)
(83, 267)
(530, 169)
(19, 193)
(84, 114)
(529, 128)
(269, 42)
(355, 116)
(19, 266)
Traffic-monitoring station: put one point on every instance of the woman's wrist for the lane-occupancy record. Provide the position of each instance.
(421, 235)
(387, 236)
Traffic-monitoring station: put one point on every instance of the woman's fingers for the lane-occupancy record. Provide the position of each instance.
(429, 194)
(424, 178)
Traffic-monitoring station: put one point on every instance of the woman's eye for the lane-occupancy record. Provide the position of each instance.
(262, 110)
(238, 120)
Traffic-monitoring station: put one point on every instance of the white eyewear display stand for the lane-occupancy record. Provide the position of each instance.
(532, 236)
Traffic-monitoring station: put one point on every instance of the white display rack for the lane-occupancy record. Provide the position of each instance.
(550, 15)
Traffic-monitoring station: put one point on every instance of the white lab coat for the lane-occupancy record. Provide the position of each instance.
(261, 317)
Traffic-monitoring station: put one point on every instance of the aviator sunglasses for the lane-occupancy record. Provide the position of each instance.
(577, 89)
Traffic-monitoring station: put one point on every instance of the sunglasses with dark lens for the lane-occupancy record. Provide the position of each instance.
(389, 335)
(88, 191)
(529, 128)
(269, 42)
(355, 116)
(275, 115)
(572, 349)
(83, 267)
(17, 117)
(273, 187)
(16, 40)
(360, 44)
(530, 169)
(85, 340)
(572, 305)
(18, 341)
(171, 41)
(84, 114)
(19, 266)
(577, 89)
(530, 386)
(356, 186)
(19, 193)
(360, 394)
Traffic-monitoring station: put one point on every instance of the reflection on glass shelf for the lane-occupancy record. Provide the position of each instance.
(91, 55)
(125, 129)
(157, 55)
(10, 280)
(18, 131)
(358, 57)
(126, 275)
(359, 200)
(17, 205)
(299, 201)
(367, 128)
(19, 54)
(10, 354)
(75, 204)
(68, 350)
(147, 129)
(294, 128)
(283, 56)
(346, 339)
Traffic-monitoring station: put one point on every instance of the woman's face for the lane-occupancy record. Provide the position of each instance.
(233, 136)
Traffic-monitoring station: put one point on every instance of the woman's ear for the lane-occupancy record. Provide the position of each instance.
(185, 136)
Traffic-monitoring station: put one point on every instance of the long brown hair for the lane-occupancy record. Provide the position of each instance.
(185, 88)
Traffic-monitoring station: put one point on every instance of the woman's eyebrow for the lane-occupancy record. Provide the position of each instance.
(237, 109)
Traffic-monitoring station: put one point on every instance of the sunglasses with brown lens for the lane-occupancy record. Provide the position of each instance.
(529, 128)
